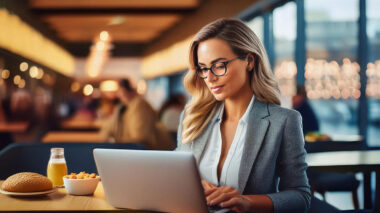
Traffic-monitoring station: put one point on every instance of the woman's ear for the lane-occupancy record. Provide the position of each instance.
(251, 62)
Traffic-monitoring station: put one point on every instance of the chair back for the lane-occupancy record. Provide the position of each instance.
(34, 157)
(331, 146)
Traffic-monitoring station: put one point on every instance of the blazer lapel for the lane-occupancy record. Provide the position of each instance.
(257, 128)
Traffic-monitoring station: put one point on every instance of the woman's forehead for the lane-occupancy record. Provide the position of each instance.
(213, 48)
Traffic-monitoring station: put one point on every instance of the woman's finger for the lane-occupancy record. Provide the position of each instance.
(235, 201)
(208, 192)
(213, 193)
(207, 185)
(238, 204)
(222, 197)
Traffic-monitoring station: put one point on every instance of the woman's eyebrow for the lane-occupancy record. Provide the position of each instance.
(212, 62)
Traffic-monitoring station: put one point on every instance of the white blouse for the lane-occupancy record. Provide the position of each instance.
(208, 163)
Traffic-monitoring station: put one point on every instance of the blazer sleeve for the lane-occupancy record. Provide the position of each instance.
(294, 191)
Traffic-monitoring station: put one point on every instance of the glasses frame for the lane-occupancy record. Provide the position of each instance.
(225, 63)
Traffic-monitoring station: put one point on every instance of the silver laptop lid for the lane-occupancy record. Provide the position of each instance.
(164, 181)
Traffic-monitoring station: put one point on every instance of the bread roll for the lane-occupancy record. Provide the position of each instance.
(27, 182)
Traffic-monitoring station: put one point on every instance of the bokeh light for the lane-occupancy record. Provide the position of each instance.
(88, 89)
(75, 86)
(5, 74)
(24, 66)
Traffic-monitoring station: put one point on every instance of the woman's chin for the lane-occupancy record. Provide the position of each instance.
(219, 97)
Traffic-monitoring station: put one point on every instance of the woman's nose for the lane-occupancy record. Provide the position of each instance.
(211, 77)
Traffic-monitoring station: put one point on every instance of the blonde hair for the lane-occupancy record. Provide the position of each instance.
(242, 40)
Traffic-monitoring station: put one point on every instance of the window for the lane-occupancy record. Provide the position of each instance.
(373, 72)
(285, 32)
(158, 91)
(332, 75)
(257, 25)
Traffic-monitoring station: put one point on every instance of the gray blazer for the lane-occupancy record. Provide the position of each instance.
(273, 160)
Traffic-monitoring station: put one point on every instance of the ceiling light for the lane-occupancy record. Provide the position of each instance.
(104, 36)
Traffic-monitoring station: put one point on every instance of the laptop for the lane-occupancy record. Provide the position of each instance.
(164, 181)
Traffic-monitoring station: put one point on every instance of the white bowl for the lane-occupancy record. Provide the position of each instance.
(81, 186)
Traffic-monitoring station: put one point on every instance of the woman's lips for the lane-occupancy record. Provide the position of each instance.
(217, 89)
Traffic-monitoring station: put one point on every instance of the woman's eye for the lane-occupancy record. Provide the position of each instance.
(219, 66)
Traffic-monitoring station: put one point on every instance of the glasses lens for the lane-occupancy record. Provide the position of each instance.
(202, 72)
(219, 68)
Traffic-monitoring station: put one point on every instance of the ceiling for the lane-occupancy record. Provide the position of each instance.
(132, 24)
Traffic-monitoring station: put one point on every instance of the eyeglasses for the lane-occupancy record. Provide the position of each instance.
(217, 69)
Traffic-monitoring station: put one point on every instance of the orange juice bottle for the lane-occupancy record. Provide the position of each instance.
(57, 166)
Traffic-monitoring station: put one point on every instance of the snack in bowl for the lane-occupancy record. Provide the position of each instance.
(27, 182)
(316, 136)
(81, 184)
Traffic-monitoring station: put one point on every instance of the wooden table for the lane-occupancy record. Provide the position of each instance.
(80, 125)
(351, 161)
(72, 136)
(59, 201)
(13, 127)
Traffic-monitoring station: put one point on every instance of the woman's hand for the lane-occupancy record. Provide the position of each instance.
(207, 185)
(226, 197)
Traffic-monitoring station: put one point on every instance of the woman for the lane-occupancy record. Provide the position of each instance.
(249, 150)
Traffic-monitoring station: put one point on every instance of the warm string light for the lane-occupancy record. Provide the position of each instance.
(286, 73)
(99, 54)
(325, 80)
(373, 80)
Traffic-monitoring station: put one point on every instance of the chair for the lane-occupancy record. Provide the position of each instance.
(34, 157)
(318, 206)
(322, 181)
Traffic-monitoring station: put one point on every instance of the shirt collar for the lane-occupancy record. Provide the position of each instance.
(220, 116)
(245, 116)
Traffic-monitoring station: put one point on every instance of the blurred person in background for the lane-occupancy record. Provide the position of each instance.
(21, 105)
(300, 103)
(170, 111)
(87, 110)
(134, 120)
(249, 150)
(45, 114)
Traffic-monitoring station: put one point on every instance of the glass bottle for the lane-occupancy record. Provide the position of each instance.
(57, 168)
